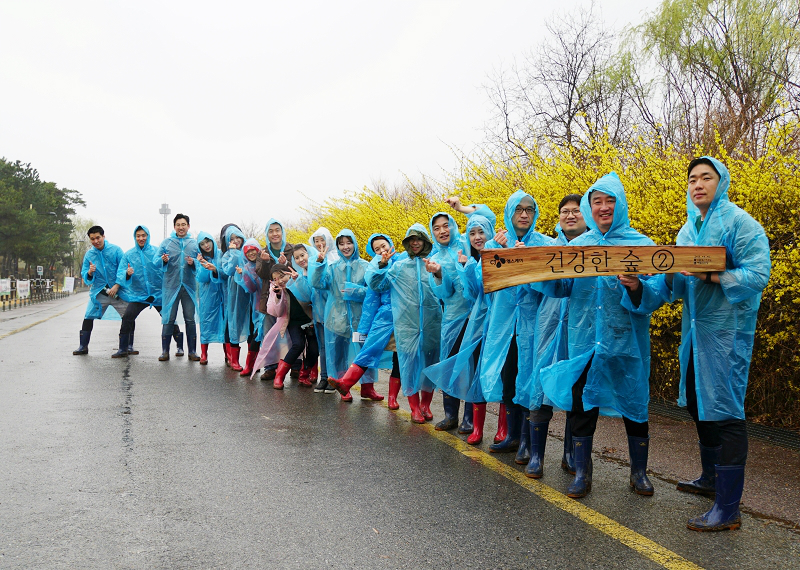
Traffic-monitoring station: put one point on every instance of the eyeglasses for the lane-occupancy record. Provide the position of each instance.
(575, 212)
(520, 209)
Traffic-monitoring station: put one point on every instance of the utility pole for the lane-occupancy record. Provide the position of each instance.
(166, 212)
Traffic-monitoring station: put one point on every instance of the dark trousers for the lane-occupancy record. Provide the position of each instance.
(302, 341)
(132, 312)
(584, 423)
(508, 375)
(187, 305)
(730, 434)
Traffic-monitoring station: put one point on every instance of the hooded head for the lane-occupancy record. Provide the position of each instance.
(224, 238)
(325, 234)
(444, 226)
(611, 186)
(701, 187)
(519, 216)
(251, 245)
(370, 249)
(348, 234)
(272, 242)
(418, 231)
(136, 240)
(230, 232)
(201, 237)
(477, 221)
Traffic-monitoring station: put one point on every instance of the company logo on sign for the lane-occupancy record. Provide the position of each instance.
(497, 261)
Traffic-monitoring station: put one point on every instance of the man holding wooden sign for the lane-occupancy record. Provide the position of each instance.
(608, 364)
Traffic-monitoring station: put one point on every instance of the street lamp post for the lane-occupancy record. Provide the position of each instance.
(165, 211)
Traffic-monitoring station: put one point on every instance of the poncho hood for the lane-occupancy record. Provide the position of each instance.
(508, 213)
(324, 232)
(144, 228)
(418, 230)
(620, 226)
(269, 245)
(348, 233)
(370, 250)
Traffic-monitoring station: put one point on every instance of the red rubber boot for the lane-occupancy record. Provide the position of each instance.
(416, 415)
(280, 374)
(204, 354)
(348, 379)
(368, 392)
(234, 356)
(394, 390)
(478, 417)
(425, 404)
(226, 348)
(248, 364)
(502, 425)
(305, 377)
(313, 374)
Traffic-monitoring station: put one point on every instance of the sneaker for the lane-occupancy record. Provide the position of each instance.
(269, 375)
(329, 389)
(322, 386)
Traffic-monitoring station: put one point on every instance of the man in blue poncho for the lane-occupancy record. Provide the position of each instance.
(508, 356)
(176, 258)
(141, 288)
(608, 364)
(270, 255)
(99, 270)
(719, 321)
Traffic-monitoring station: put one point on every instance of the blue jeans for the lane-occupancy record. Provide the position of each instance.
(188, 314)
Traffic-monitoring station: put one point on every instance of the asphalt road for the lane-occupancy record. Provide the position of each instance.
(134, 463)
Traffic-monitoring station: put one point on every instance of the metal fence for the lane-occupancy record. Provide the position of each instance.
(41, 290)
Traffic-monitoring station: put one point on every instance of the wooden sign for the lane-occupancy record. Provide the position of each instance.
(508, 267)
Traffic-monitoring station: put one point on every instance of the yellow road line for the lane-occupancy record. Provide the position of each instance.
(26, 327)
(604, 524)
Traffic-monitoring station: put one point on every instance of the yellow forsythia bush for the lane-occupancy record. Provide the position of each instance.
(767, 187)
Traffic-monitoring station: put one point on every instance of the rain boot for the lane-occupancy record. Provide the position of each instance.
(450, 405)
(313, 374)
(368, 392)
(203, 353)
(568, 459)
(514, 423)
(466, 423)
(538, 438)
(502, 424)
(703, 485)
(191, 344)
(226, 348)
(638, 448)
(83, 346)
(724, 515)
(165, 340)
(425, 398)
(524, 451)
(348, 379)
(131, 350)
(305, 377)
(347, 398)
(294, 374)
(416, 415)
(124, 341)
(234, 356)
(280, 374)
(582, 451)
(249, 362)
(178, 336)
(478, 417)
(394, 390)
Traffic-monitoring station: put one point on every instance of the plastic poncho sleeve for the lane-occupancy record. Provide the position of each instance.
(369, 308)
(354, 292)
(318, 274)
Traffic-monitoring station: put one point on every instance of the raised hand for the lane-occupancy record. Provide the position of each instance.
(265, 255)
(322, 253)
(189, 260)
(387, 255)
(238, 269)
(501, 237)
(92, 268)
(432, 266)
(454, 202)
(165, 257)
(462, 259)
(129, 271)
(233, 245)
(518, 243)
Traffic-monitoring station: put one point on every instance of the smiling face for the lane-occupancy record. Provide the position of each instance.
(477, 238)
(141, 238)
(380, 245)
(441, 229)
(319, 242)
(275, 235)
(571, 220)
(301, 258)
(237, 241)
(415, 245)
(602, 210)
(206, 246)
(280, 278)
(252, 254)
(98, 240)
(181, 227)
(703, 182)
(522, 218)
(345, 245)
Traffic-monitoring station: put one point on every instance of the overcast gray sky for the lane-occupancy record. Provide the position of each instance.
(232, 112)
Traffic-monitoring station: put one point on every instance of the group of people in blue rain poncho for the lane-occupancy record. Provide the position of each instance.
(322, 313)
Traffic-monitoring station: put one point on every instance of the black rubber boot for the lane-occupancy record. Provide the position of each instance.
(705, 484)
(568, 459)
(514, 422)
(638, 450)
(191, 342)
(538, 438)
(131, 350)
(83, 347)
(178, 336)
(467, 424)
(450, 421)
(165, 340)
(582, 484)
(524, 450)
(724, 515)
(124, 343)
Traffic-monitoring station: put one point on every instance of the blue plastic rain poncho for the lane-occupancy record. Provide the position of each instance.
(344, 282)
(212, 289)
(144, 285)
(237, 308)
(512, 311)
(600, 329)
(176, 271)
(249, 280)
(719, 321)
(416, 312)
(459, 375)
(449, 288)
(376, 319)
(269, 249)
(320, 296)
(106, 261)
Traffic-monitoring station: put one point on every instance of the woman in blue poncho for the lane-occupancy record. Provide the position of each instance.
(211, 306)
(237, 300)
(247, 278)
